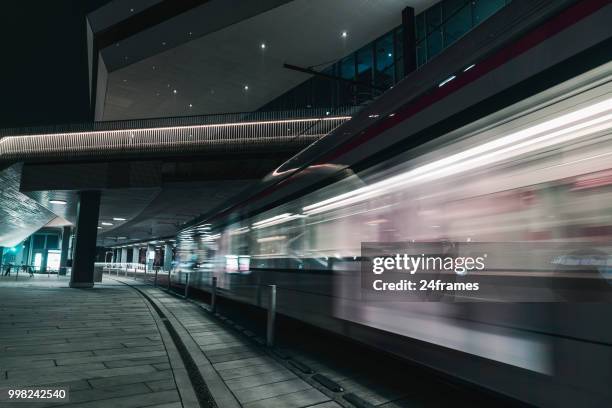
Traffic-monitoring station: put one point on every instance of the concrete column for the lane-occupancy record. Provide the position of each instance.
(409, 41)
(135, 253)
(85, 240)
(124, 255)
(167, 256)
(27, 250)
(66, 231)
(150, 257)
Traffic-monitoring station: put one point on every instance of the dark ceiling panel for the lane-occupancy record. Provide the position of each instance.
(171, 23)
(147, 18)
(175, 205)
(208, 73)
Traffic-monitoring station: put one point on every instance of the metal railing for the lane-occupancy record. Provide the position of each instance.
(213, 133)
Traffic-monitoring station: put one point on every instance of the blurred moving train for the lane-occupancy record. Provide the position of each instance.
(515, 147)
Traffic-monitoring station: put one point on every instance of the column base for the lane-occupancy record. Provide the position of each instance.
(81, 285)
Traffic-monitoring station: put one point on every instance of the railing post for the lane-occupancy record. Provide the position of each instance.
(213, 295)
(258, 291)
(155, 281)
(271, 316)
(187, 286)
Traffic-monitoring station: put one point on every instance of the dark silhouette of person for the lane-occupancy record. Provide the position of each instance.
(27, 269)
(7, 272)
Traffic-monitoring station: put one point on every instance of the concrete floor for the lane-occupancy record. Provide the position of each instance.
(108, 347)
(103, 344)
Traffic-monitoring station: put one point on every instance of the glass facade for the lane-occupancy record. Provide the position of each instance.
(379, 65)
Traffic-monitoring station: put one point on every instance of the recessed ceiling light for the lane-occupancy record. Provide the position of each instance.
(174, 91)
(61, 202)
(389, 55)
(118, 219)
(344, 34)
(263, 46)
(190, 105)
(106, 223)
(246, 87)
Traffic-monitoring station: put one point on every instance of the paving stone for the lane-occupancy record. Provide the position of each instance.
(265, 391)
(96, 394)
(244, 363)
(259, 379)
(103, 344)
(305, 398)
(161, 385)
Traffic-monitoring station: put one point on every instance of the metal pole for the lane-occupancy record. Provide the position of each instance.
(213, 295)
(17, 274)
(187, 286)
(169, 281)
(258, 290)
(271, 316)
(155, 281)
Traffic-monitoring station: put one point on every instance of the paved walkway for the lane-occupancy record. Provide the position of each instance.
(254, 378)
(109, 347)
(104, 344)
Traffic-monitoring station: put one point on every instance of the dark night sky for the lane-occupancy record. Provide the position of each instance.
(44, 62)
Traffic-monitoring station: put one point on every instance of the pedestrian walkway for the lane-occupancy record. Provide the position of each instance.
(104, 344)
(231, 359)
(111, 348)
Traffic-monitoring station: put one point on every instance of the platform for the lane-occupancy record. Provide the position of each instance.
(108, 346)
(128, 344)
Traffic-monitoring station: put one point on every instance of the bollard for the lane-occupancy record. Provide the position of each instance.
(155, 281)
(213, 295)
(187, 286)
(258, 291)
(271, 316)
(169, 280)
